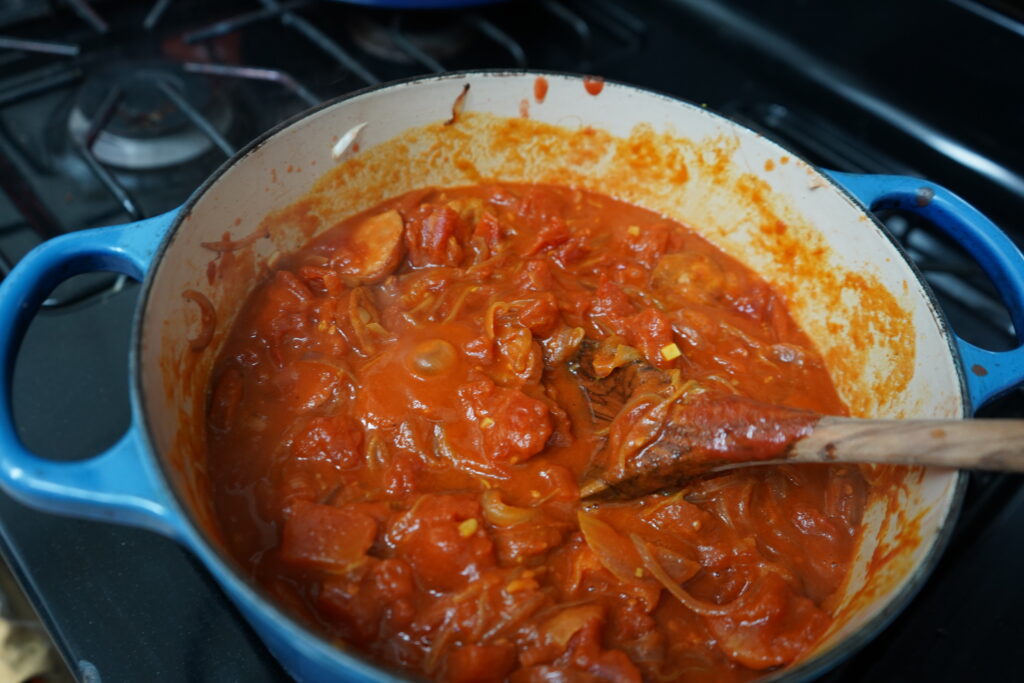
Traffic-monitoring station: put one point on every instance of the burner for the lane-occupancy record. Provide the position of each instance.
(148, 128)
(409, 36)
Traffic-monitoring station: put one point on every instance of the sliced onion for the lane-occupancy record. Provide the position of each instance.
(560, 628)
(612, 549)
(207, 320)
(498, 513)
(493, 311)
(707, 609)
(365, 320)
(562, 345)
(514, 616)
(377, 455)
(460, 302)
(611, 355)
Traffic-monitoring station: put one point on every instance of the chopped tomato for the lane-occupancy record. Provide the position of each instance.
(310, 384)
(649, 242)
(769, 626)
(552, 234)
(376, 606)
(489, 229)
(540, 314)
(431, 236)
(536, 276)
(480, 663)
(336, 440)
(443, 539)
(326, 538)
(514, 426)
(611, 305)
(651, 333)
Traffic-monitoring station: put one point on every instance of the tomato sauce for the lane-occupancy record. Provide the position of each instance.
(397, 431)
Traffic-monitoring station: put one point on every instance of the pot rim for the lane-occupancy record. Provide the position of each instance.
(225, 568)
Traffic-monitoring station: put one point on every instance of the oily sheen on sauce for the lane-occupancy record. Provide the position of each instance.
(396, 436)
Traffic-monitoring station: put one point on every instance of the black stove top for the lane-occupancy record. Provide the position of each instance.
(114, 111)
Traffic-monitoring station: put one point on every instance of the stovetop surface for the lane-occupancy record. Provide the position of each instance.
(926, 89)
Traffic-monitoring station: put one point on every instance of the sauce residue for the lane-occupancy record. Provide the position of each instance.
(593, 85)
(540, 89)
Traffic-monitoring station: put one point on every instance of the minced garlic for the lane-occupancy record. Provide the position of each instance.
(468, 527)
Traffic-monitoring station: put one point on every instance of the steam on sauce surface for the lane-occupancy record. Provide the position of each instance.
(396, 438)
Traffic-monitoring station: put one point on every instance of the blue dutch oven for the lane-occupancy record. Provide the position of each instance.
(153, 476)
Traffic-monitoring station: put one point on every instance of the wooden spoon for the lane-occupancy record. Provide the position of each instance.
(663, 433)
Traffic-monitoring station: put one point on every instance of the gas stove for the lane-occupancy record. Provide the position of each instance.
(113, 111)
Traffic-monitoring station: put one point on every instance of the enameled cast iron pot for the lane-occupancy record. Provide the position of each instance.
(807, 232)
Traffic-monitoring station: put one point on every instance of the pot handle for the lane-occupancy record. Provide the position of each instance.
(988, 373)
(118, 484)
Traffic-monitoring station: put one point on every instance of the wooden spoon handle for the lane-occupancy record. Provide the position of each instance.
(982, 444)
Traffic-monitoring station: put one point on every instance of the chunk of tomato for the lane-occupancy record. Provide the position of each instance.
(326, 538)
(650, 332)
(514, 426)
(376, 606)
(431, 236)
(480, 663)
(337, 439)
(770, 625)
(442, 539)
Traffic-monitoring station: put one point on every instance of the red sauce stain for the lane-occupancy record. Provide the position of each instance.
(355, 146)
(769, 165)
(313, 162)
(290, 168)
(784, 160)
(891, 559)
(775, 227)
(979, 370)
(938, 433)
(208, 320)
(524, 108)
(540, 89)
(458, 104)
(593, 84)
(273, 175)
(238, 221)
(335, 138)
(211, 271)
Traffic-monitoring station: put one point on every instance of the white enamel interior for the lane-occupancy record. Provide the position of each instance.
(260, 182)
